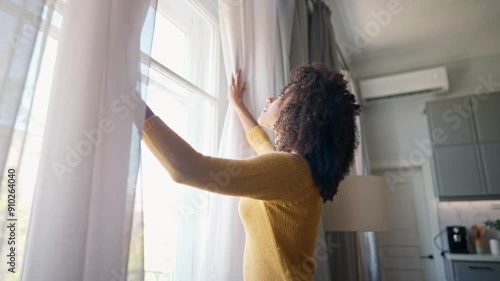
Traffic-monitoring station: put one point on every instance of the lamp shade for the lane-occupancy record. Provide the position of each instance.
(362, 203)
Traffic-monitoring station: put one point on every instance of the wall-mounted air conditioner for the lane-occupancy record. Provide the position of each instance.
(428, 81)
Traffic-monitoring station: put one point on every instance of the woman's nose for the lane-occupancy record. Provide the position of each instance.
(270, 100)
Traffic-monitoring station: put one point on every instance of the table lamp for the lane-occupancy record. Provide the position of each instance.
(362, 203)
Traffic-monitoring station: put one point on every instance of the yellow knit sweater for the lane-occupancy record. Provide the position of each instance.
(280, 205)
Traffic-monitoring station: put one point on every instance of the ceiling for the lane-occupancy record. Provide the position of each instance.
(445, 30)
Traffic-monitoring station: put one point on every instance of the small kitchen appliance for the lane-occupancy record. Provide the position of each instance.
(457, 239)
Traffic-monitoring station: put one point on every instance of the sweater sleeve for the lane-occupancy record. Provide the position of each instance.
(259, 140)
(270, 176)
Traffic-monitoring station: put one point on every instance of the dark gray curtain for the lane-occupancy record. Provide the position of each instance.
(322, 44)
(299, 47)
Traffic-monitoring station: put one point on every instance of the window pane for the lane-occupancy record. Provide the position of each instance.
(185, 112)
(57, 19)
(193, 119)
(169, 45)
(184, 42)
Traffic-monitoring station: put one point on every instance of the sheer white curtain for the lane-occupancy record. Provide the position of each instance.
(21, 51)
(80, 226)
(256, 37)
(19, 31)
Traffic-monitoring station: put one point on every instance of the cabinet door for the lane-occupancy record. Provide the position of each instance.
(476, 271)
(487, 117)
(454, 118)
(490, 157)
(457, 171)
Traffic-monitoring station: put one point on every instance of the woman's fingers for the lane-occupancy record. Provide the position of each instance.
(236, 82)
(238, 75)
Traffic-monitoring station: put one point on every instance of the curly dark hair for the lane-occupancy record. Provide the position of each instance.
(319, 123)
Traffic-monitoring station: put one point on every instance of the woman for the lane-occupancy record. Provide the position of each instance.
(284, 187)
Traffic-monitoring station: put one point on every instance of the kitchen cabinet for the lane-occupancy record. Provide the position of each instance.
(465, 133)
(490, 157)
(476, 271)
(487, 117)
(450, 117)
(458, 171)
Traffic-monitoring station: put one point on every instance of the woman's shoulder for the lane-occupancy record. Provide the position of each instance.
(289, 161)
(284, 156)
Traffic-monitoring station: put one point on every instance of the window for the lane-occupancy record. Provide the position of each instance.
(182, 90)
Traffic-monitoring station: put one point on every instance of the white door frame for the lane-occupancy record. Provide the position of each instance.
(432, 204)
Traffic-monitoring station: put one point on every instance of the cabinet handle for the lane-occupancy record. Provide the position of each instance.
(431, 257)
(481, 268)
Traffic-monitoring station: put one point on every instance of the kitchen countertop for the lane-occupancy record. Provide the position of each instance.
(473, 257)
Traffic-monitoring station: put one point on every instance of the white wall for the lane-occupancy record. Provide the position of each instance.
(394, 127)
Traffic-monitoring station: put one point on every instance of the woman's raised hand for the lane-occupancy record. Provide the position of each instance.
(235, 96)
(236, 90)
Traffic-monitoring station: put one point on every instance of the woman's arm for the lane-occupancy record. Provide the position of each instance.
(271, 176)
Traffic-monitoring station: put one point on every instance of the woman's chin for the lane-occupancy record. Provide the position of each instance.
(265, 125)
(261, 122)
